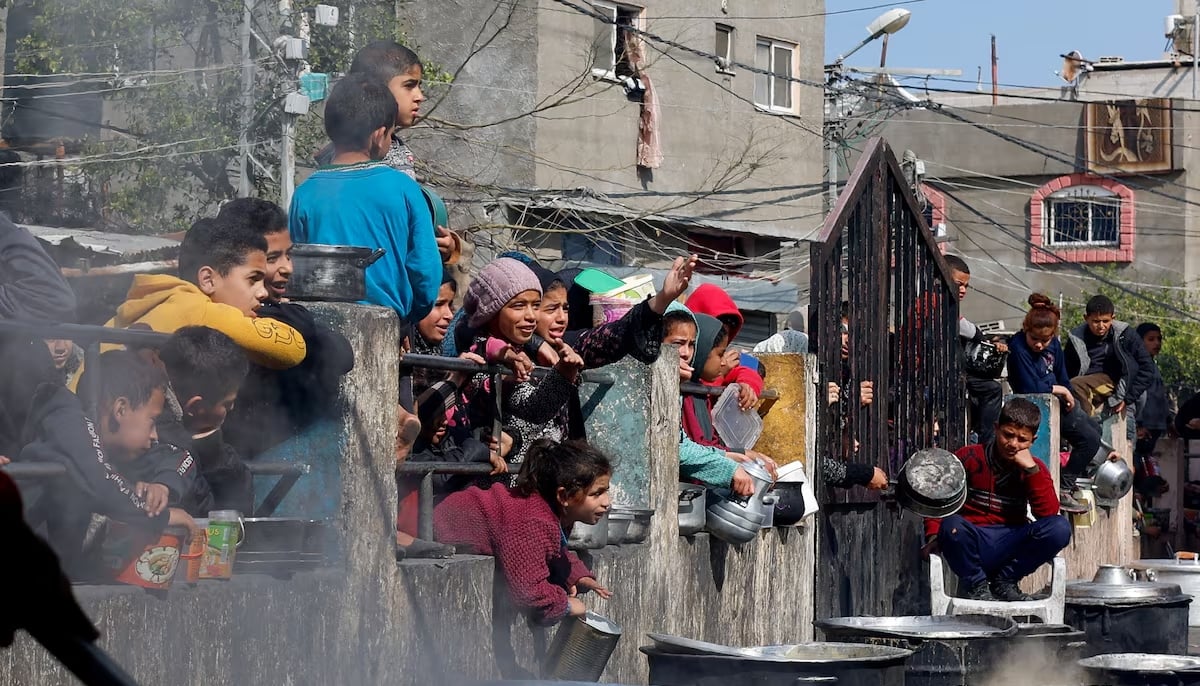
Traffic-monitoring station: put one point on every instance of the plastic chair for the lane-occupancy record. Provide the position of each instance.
(1049, 610)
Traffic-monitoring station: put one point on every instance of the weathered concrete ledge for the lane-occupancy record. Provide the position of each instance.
(367, 620)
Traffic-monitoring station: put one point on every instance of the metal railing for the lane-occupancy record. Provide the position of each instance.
(876, 254)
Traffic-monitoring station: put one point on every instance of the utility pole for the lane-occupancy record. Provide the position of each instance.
(833, 133)
(294, 50)
(244, 185)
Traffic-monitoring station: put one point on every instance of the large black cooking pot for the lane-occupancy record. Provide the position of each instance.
(947, 650)
(803, 664)
(1140, 669)
(1049, 650)
(330, 272)
(1121, 615)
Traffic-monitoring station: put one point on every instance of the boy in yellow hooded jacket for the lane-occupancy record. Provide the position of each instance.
(222, 265)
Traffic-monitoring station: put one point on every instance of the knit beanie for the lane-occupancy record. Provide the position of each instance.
(497, 283)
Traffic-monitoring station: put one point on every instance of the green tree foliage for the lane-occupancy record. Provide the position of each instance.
(1171, 307)
(171, 74)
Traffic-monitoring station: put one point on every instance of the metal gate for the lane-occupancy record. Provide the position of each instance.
(878, 276)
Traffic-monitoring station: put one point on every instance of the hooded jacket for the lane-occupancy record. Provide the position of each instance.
(167, 303)
(1137, 369)
(59, 432)
(705, 464)
(715, 302)
(32, 289)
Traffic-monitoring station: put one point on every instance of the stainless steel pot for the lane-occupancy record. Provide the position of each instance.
(589, 536)
(639, 528)
(1113, 480)
(932, 483)
(1141, 669)
(691, 509)
(1121, 615)
(618, 525)
(739, 518)
(330, 272)
(1184, 570)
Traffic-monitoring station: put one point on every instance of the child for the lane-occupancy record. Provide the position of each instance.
(222, 265)
(1036, 365)
(708, 465)
(991, 544)
(274, 405)
(206, 368)
(1153, 417)
(526, 527)
(395, 65)
(502, 306)
(95, 454)
(713, 301)
(68, 360)
(1106, 360)
(359, 200)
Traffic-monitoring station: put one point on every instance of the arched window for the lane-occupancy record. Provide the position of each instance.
(1081, 218)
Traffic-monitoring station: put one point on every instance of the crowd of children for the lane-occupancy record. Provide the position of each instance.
(176, 427)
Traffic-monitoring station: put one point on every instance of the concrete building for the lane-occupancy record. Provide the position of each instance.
(1049, 188)
(537, 136)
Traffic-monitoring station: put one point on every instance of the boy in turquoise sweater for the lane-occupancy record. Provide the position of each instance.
(359, 200)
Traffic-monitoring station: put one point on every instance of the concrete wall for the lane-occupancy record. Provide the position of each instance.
(988, 183)
(366, 620)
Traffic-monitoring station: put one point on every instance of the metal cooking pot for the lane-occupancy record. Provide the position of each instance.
(1184, 570)
(1121, 615)
(1141, 669)
(948, 650)
(932, 483)
(1113, 480)
(691, 509)
(589, 536)
(330, 272)
(735, 519)
(804, 664)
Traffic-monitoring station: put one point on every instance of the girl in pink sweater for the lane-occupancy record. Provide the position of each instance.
(525, 527)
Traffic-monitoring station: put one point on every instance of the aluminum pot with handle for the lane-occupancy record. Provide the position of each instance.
(1182, 570)
(932, 483)
(691, 509)
(330, 272)
(1113, 480)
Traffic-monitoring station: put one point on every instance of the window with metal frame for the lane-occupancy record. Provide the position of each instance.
(723, 48)
(1083, 215)
(775, 92)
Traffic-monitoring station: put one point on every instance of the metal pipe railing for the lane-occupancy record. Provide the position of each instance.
(692, 388)
(457, 364)
(85, 333)
(426, 470)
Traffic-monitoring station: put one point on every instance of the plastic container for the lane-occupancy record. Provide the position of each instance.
(224, 535)
(739, 430)
(155, 566)
(607, 310)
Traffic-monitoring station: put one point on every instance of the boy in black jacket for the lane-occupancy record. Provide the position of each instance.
(1107, 362)
(100, 457)
(274, 405)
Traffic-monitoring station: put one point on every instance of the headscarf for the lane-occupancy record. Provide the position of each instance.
(697, 409)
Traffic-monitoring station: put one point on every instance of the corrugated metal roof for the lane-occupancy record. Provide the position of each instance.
(101, 242)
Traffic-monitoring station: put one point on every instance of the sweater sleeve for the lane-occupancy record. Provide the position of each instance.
(706, 464)
(638, 334)
(539, 402)
(424, 262)
(267, 342)
(746, 375)
(1041, 493)
(841, 474)
(579, 570)
(523, 555)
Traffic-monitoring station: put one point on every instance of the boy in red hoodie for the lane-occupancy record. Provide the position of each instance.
(990, 544)
(715, 302)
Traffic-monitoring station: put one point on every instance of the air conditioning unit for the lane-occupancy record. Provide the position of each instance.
(991, 327)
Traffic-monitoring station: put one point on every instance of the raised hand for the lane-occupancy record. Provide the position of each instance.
(675, 284)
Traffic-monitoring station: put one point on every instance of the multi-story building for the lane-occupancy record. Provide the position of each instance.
(546, 135)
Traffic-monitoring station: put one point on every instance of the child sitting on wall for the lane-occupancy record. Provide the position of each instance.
(526, 527)
(709, 465)
(358, 200)
(131, 393)
(274, 405)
